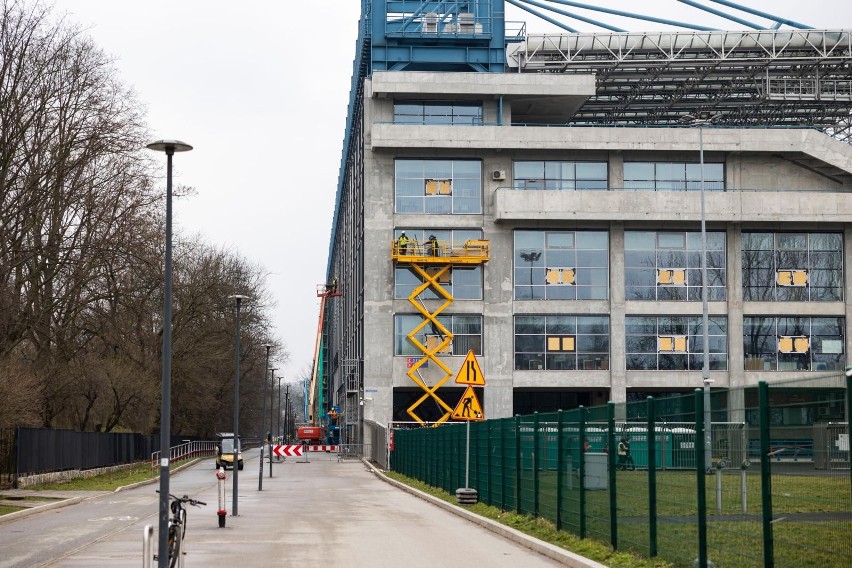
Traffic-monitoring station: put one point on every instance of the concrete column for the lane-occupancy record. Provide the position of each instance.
(736, 355)
(617, 357)
(616, 170)
(847, 289)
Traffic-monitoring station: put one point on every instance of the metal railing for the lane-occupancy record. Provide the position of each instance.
(186, 450)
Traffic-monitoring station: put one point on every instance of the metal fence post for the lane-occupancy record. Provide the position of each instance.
(503, 436)
(652, 477)
(518, 463)
(581, 469)
(613, 497)
(700, 478)
(560, 466)
(488, 465)
(765, 475)
(536, 457)
(849, 420)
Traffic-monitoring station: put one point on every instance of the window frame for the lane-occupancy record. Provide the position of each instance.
(762, 266)
(550, 180)
(412, 177)
(567, 252)
(646, 331)
(451, 321)
(765, 351)
(646, 284)
(673, 176)
(560, 327)
(454, 117)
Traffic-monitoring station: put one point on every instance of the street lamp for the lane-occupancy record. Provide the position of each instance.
(271, 410)
(169, 147)
(237, 445)
(263, 419)
(278, 414)
(700, 120)
(286, 408)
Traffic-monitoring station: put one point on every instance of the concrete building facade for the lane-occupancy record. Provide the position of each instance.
(592, 287)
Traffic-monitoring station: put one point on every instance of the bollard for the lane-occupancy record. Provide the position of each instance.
(147, 546)
(222, 512)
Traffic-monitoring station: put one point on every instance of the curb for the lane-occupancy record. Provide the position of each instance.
(545, 548)
(46, 507)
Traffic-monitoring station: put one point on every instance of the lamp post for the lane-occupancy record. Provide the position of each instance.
(237, 446)
(286, 408)
(263, 419)
(271, 410)
(278, 414)
(169, 147)
(700, 120)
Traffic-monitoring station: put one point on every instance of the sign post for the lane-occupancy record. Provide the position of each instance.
(469, 409)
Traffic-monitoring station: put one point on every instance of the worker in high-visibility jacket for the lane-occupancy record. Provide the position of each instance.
(402, 243)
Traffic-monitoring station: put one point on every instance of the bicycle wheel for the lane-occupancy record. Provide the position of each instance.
(174, 545)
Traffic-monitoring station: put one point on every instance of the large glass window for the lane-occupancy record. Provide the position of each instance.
(793, 344)
(437, 112)
(462, 282)
(675, 343)
(466, 330)
(560, 175)
(561, 265)
(673, 176)
(438, 186)
(666, 265)
(788, 267)
(549, 343)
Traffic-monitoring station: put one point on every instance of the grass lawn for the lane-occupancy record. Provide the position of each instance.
(734, 535)
(6, 509)
(111, 481)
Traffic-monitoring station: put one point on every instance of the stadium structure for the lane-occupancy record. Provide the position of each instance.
(594, 216)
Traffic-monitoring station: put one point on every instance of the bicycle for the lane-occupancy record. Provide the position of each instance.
(177, 526)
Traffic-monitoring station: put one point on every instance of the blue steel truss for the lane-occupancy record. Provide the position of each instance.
(437, 35)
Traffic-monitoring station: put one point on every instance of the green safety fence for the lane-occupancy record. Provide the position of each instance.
(768, 485)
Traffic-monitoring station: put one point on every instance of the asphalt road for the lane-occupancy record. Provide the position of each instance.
(320, 513)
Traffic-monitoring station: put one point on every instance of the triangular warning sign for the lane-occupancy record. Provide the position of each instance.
(468, 407)
(470, 372)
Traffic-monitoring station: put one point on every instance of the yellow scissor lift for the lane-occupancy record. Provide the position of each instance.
(432, 261)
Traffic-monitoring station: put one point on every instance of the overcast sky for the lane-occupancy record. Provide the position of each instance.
(260, 89)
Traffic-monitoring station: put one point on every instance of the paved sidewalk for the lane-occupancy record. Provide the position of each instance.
(324, 513)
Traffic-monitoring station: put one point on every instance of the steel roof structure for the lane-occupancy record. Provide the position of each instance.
(746, 78)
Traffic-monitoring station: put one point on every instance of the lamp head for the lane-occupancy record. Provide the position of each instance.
(848, 371)
(169, 146)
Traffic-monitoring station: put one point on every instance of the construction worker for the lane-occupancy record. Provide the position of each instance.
(434, 248)
(402, 243)
(333, 286)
